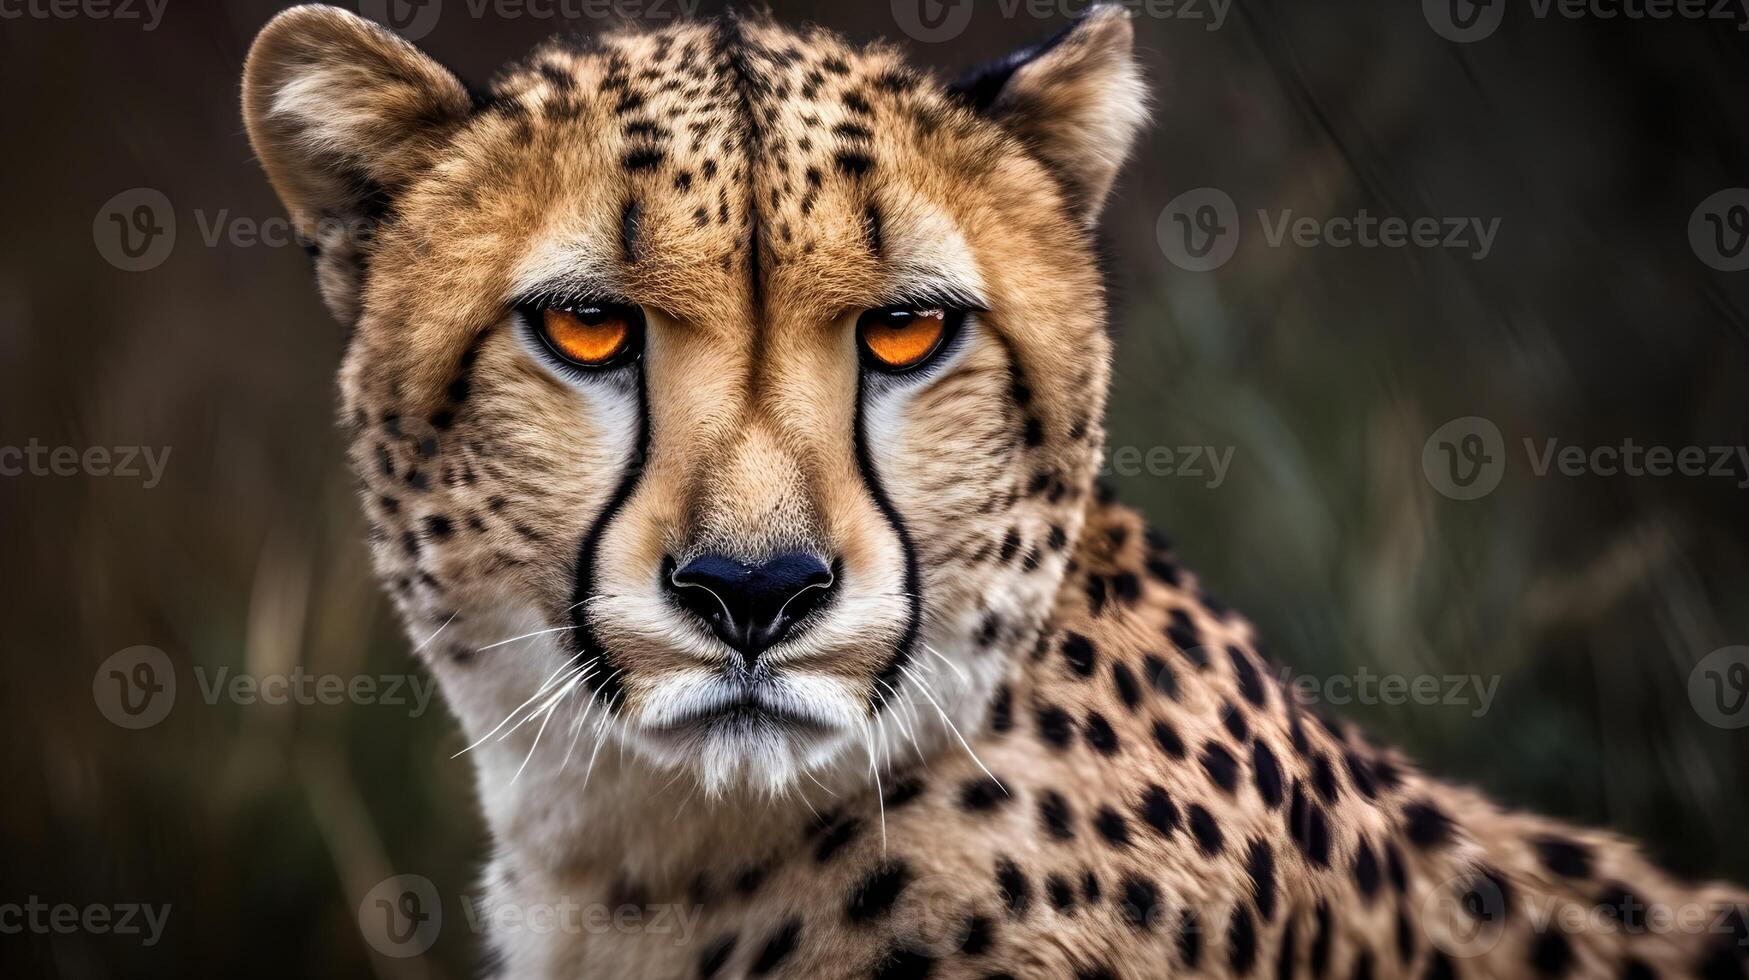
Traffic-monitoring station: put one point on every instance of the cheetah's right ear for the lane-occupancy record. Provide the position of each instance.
(1077, 100)
(343, 114)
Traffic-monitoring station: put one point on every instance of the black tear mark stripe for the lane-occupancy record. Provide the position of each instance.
(605, 679)
(889, 672)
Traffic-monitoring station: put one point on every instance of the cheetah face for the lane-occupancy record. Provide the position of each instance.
(757, 377)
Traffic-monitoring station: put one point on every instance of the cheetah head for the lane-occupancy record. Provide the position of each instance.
(727, 394)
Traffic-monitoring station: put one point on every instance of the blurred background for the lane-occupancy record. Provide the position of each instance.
(1377, 512)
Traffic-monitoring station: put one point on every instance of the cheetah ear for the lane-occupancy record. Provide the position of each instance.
(1077, 99)
(343, 114)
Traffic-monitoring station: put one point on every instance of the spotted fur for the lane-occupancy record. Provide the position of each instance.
(1038, 748)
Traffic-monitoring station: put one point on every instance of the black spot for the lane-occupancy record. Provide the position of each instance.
(778, 948)
(1090, 887)
(1061, 896)
(1158, 811)
(1366, 870)
(1485, 896)
(1250, 684)
(1099, 734)
(1078, 652)
(875, 896)
(979, 936)
(1002, 711)
(1363, 969)
(1722, 963)
(1054, 811)
(1324, 777)
(1551, 955)
(1127, 587)
(1361, 774)
(438, 527)
(1320, 959)
(1260, 865)
(1394, 868)
(748, 881)
(1405, 938)
(1203, 827)
(1235, 722)
(1635, 969)
(1221, 766)
(1189, 939)
(982, 794)
(1307, 826)
(1055, 726)
(1567, 858)
(853, 164)
(1241, 941)
(1127, 690)
(1389, 778)
(1426, 825)
(1167, 738)
(1112, 826)
(905, 964)
(1139, 902)
(1286, 951)
(1010, 545)
(837, 835)
(643, 158)
(714, 956)
(1439, 968)
(1267, 772)
(1015, 889)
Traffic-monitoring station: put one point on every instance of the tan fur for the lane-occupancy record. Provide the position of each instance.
(754, 189)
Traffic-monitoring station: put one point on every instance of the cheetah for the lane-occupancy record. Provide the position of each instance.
(725, 401)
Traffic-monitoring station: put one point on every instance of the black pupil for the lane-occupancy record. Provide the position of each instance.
(593, 316)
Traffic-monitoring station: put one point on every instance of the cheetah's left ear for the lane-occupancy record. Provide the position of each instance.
(1077, 100)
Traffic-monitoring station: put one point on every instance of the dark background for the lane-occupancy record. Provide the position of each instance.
(1591, 599)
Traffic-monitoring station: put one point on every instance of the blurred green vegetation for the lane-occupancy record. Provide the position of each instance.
(1323, 371)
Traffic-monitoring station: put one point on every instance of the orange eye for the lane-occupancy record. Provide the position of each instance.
(594, 335)
(901, 338)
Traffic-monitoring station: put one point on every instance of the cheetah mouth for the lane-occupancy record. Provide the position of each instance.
(742, 713)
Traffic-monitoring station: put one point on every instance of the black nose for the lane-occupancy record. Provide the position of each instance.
(751, 605)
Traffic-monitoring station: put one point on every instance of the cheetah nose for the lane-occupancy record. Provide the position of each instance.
(751, 606)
